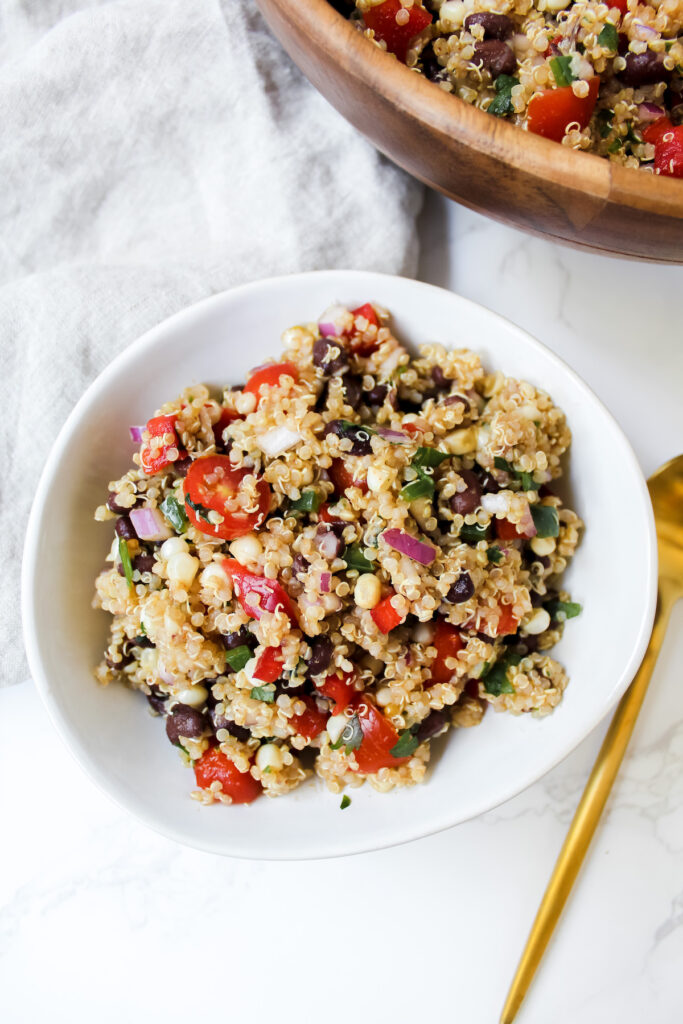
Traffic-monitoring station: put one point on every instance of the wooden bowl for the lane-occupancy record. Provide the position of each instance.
(480, 161)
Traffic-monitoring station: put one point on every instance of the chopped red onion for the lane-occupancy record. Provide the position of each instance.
(335, 321)
(136, 433)
(650, 112)
(409, 546)
(149, 524)
(329, 544)
(395, 436)
(325, 580)
(526, 524)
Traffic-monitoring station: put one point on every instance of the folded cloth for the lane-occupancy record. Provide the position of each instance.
(154, 152)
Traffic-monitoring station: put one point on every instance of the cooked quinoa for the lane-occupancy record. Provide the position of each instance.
(326, 568)
(602, 77)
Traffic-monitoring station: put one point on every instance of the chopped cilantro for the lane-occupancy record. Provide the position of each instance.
(546, 520)
(352, 736)
(175, 513)
(561, 610)
(609, 37)
(526, 479)
(309, 501)
(265, 693)
(604, 119)
(474, 533)
(501, 104)
(428, 457)
(496, 680)
(345, 802)
(500, 463)
(124, 555)
(615, 146)
(238, 657)
(407, 743)
(562, 72)
(355, 559)
(495, 555)
(201, 510)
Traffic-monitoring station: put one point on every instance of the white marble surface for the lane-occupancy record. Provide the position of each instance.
(103, 920)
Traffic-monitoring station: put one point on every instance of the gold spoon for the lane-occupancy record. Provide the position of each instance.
(666, 492)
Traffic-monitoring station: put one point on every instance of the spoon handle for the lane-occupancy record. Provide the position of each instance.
(588, 812)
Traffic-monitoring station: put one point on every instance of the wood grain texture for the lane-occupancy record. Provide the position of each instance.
(481, 161)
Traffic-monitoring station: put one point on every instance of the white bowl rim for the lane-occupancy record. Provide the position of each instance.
(130, 355)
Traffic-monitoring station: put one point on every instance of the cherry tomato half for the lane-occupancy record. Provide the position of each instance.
(257, 594)
(214, 766)
(212, 482)
(153, 459)
(268, 376)
(382, 20)
(379, 738)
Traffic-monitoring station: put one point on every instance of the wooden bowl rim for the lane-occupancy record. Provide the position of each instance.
(584, 173)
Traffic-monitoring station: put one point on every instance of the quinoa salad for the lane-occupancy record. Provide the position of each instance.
(606, 78)
(325, 568)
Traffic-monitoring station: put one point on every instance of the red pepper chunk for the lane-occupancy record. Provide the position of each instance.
(505, 530)
(342, 478)
(379, 738)
(257, 594)
(340, 689)
(385, 615)
(448, 642)
(214, 766)
(668, 143)
(153, 459)
(360, 345)
(507, 623)
(622, 5)
(551, 111)
(269, 665)
(368, 311)
(398, 36)
(311, 722)
(269, 376)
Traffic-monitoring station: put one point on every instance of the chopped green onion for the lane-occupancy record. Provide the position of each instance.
(496, 680)
(238, 657)
(562, 72)
(501, 104)
(546, 520)
(345, 802)
(423, 487)
(428, 457)
(175, 513)
(310, 501)
(355, 559)
(265, 693)
(124, 555)
(495, 555)
(474, 533)
(609, 37)
(561, 610)
(407, 743)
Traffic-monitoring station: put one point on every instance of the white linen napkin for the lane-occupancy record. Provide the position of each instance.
(154, 152)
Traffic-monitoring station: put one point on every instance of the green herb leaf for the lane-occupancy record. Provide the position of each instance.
(352, 736)
(345, 802)
(546, 520)
(124, 555)
(609, 37)
(428, 457)
(561, 610)
(562, 72)
(201, 510)
(423, 487)
(355, 559)
(238, 657)
(265, 693)
(496, 680)
(500, 463)
(474, 533)
(175, 513)
(604, 119)
(310, 501)
(495, 555)
(501, 104)
(527, 481)
(407, 743)
(143, 631)
(615, 146)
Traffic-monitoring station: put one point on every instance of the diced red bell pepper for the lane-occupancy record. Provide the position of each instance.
(398, 36)
(621, 4)
(227, 416)
(340, 689)
(153, 459)
(507, 623)
(357, 343)
(214, 766)
(505, 530)
(269, 665)
(257, 594)
(312, 721)
(385, 615)
(368, 311)
(325, 516)
(668, 143)
(379, 738)
(551, 111)
(342, 478)
(448, 642)
(269, 376)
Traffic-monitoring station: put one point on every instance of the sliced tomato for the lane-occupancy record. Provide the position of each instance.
(505, 530)
(211, 482)
(668, 143)
(507, 623)
(398, 37)
(311, 722)
(227, 416)
(269, 665)
(257, 594)
(340, 689)
(214, 766)
(656, 129)
(448, 642)
(152, 458)
(385, 615)
(325, 516)
(268, 376)
(551, 111)
(342, 478)
(379, 738)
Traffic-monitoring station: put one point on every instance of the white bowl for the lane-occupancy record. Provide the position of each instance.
(125, 750)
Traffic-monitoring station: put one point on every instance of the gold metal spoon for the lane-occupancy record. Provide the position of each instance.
(666, 492)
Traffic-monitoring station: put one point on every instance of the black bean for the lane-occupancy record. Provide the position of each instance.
(643, 69)
(343, 6)
(113, 505)
(462, 589)
(531, 643)
(434, 723)
(157, 700)
(185, 721)
(357, 434)
(323, 357)
(144, 563)
(376, 395)
(536, 599)
(181, 466)
(496, 26)
(431, 68)
(458, 399)
(322, 649)
(299, 565)
(290, 689)
(468, 500)
(622, 44)
(353, 389)
(142, 641)
(489, 484)
(238, 639)
(125, 529)
(442, 382)
(118, 665)
(221, 722)
(495, 57)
